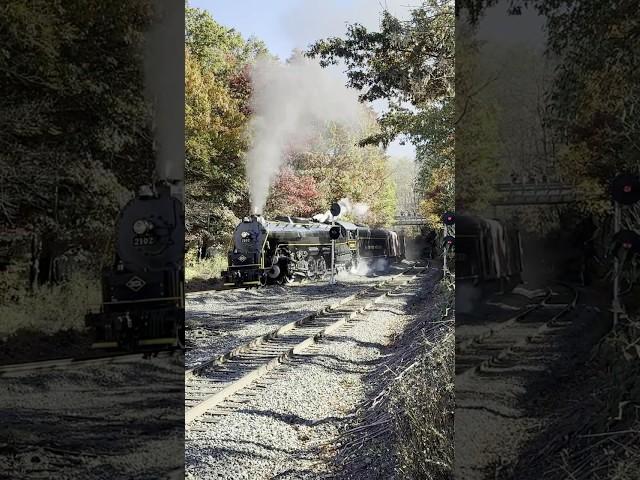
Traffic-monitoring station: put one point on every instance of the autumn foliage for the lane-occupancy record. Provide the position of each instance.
(294, 194)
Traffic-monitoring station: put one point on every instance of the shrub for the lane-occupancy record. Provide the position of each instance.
(51, 308)
(204, 269)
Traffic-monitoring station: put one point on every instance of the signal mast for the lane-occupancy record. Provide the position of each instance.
(449, 220)
(334, 234)
(625, 190)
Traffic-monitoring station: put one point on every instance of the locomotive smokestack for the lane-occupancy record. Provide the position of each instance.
(254, 217)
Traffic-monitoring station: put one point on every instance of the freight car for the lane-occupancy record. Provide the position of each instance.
(143, 292)
(488, 254)
(277, 251)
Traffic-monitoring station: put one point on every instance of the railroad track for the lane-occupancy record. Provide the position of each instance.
(211, 384)
(73, 362)
(498, 348)
(216, 288)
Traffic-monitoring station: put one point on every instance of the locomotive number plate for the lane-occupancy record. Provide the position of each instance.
(245, 240)
(143, 241)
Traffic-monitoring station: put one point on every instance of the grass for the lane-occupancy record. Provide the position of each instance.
(421, 406)
(612, 436)
(205, 269)
(50, 308)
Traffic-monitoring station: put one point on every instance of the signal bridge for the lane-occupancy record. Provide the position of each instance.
(534, 194)
(510, 194)
(409, 218)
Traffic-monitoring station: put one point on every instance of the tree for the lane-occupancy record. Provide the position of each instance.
(593, 91)
(76, 129)
(476, 143)
(217, 110)
(411, 65)
(404, 63)
(294, 194)
(215, 140)
(343, 169)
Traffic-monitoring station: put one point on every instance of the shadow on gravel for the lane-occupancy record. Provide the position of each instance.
(341, 366)
(345, 339)
(98, 422)
(339, 359)
(28, 345)
(292, 419)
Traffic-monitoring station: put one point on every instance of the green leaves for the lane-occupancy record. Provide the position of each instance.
(76, 123)
(409, 64)
(217, 92)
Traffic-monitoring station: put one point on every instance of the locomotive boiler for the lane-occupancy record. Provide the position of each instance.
(266, 251)
(143, 291)
(276, 251)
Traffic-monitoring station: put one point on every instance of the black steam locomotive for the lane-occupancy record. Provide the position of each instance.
(488, 254)
(143, 292)
(278, 251)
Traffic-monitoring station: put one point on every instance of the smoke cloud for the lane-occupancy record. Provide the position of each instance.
(359, 211)
(164, 84)
(290, 101)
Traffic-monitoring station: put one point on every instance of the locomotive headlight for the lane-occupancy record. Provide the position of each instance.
(141, 226)
(245, 234)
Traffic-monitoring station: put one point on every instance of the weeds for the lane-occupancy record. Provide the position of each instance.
(421, 405)
(408, 426)
(205, 269)
(50, 308)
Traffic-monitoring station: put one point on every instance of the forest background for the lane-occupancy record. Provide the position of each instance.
(393, 63)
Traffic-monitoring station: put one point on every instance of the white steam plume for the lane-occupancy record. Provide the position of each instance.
(359, 211)
(290, 101)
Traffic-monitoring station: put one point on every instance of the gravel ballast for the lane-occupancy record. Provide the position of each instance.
(122, 420)
(287, 427)
(218, 321)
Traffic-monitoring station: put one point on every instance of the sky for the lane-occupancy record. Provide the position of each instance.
(285, 25)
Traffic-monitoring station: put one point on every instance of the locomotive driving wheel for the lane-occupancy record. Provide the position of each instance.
(321, 267)
(285, 276)
(312, 268)
(180, 336)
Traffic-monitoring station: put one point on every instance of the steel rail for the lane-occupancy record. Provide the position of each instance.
(214, 400)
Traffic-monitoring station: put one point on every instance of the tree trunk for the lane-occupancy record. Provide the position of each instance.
(36, 251)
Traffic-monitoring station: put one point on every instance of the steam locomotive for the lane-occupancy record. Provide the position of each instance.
(278, 251)
(143, 291)
(488, 254)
